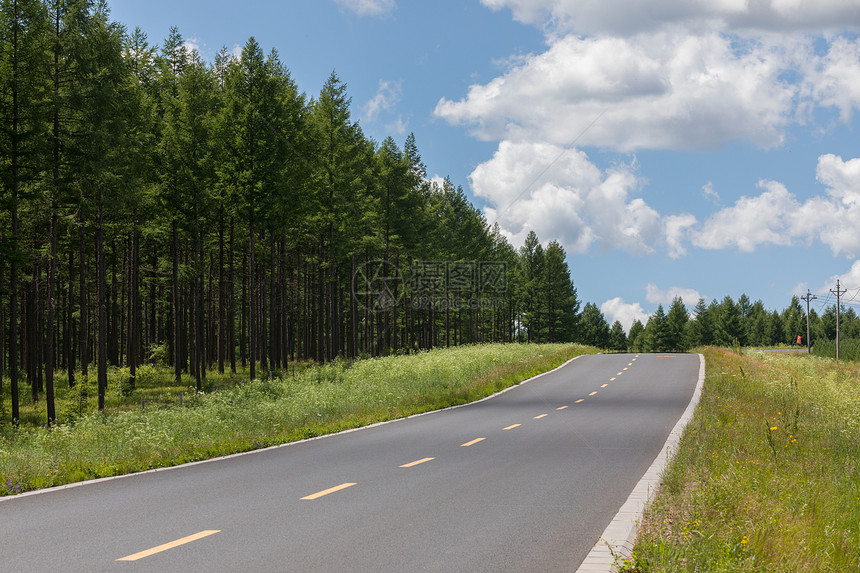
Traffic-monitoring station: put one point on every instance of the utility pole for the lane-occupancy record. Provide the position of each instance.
(808, 298)
(838, 292)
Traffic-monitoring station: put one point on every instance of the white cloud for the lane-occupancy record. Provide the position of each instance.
(191, 45)
(849, 280)
(751, 221)
(625, 75)
(562, 196)
(632, 16)
(625, 313)
(667, 90)
(709, 193)
(387, 96)
(677, 229)
(777, 217)
(398, 126)
(655, 295)
(368, 7)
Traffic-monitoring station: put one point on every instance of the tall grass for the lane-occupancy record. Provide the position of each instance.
(319, 400)
(766, 477)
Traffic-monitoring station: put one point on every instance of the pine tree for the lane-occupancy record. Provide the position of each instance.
(676, 322)
(595, 329)
(562, 305)
(729, 324)
(636, 337)
(617, 337)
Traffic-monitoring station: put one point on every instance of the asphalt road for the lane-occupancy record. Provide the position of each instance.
(524, 481)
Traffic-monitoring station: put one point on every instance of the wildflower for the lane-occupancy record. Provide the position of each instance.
(773, 428)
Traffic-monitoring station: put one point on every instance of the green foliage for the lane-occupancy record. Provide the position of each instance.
(595, 330)
(849, 349)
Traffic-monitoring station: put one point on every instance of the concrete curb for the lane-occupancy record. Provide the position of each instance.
(619, 536)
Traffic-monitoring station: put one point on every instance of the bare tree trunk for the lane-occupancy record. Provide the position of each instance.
(102, 311)
(133, 320)
(177, 319)
(49, 335)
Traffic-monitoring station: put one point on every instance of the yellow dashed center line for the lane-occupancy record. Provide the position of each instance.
(562, 408)
(593, 393)
(475, 441)
(416, 462)
(620, 373)
(624, 369)
(631, 364)
(320, 494)
(511, 427)
(541, 416)
(605, 385)
(580, 400)
(613, 379)
(170, 545)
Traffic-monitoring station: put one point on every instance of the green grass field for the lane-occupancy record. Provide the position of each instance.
(766, 477)
(239, 416)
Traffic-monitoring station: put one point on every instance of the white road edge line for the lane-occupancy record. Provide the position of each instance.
(8, 498)
(620, 534)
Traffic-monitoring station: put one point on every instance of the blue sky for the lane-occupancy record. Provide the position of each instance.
(675, 147)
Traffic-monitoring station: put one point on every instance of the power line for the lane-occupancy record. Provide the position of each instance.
(808, 298)
(838, 292)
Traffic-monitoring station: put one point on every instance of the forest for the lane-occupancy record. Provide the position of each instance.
(157, 208)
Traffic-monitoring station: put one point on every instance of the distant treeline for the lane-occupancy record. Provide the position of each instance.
(720, 323)
(159, 208)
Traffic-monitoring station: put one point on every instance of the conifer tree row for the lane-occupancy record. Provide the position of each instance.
(159, 208)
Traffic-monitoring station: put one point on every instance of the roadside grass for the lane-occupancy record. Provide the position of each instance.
(242, 417)
(766, 477)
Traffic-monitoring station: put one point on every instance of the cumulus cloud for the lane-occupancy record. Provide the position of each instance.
(849, 280)
(621, 17)
(625, 75)
(368, 7)
(676, 231)
(668, 90)
(563, 196)
(625, 313)
(656, 295)
(777, 217)
(751, 221)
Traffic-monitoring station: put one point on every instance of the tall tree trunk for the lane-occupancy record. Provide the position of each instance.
(133, 319)
(49, 335)
(70, 338)
(200, 340)
(84, 331)
(222, 295)
(177, 319)
(13, 297)
(102, 311)
(252, 327)
(231, 304)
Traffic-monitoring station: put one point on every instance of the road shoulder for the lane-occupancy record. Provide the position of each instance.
(618, 538)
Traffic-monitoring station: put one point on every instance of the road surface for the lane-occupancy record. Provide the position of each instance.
(524, 481)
